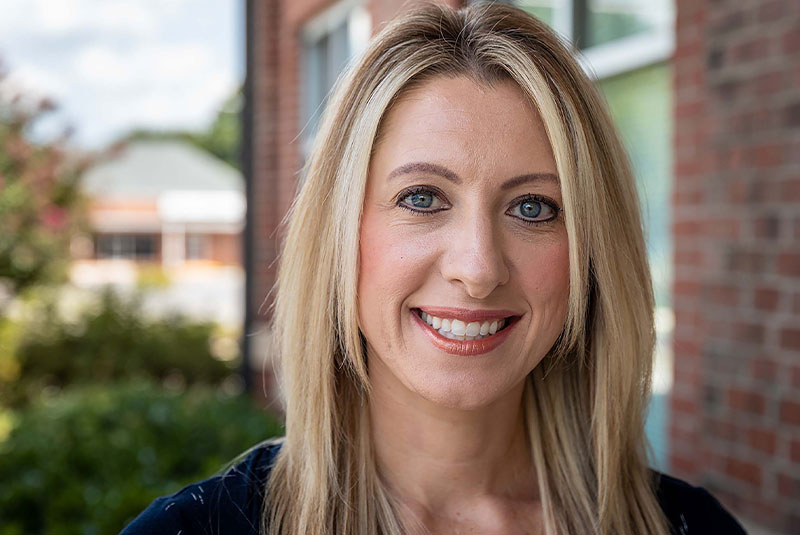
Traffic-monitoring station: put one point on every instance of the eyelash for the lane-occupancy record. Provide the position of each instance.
(438, 194)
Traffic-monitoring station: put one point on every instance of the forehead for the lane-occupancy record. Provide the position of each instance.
(472, 126)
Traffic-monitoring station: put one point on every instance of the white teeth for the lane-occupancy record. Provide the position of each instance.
(458, 327)
(460, 330)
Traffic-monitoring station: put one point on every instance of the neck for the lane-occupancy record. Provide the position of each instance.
(435, 457)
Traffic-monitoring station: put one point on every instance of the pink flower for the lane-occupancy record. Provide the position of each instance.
(54, 217)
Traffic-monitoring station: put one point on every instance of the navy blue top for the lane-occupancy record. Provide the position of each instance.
(230, 504)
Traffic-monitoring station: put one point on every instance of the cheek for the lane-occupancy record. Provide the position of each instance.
(393, 264)
(545, 274)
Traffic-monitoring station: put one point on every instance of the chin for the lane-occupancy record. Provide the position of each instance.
(460, 392)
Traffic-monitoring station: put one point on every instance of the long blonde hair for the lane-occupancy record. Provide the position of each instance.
(584, 404)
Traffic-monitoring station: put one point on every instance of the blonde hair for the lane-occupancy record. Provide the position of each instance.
(584, 404)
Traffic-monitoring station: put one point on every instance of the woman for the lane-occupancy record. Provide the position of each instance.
(463, 309)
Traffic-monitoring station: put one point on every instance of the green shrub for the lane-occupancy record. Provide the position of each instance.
(89, 460)
(110, 342)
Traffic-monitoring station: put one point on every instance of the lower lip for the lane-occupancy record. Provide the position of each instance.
(463, 348)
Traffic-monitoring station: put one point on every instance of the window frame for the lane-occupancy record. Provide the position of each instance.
(615, 57)
(358, 26)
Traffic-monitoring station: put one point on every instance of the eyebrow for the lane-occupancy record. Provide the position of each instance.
(444, 172)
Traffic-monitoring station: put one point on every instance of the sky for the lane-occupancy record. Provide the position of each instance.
(115, 65)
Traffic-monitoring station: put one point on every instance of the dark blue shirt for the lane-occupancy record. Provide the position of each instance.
(230, 504)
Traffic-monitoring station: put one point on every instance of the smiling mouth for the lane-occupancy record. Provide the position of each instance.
(455, 329)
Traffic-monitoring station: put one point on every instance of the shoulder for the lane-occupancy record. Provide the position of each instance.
(693, 510)
(228, 503)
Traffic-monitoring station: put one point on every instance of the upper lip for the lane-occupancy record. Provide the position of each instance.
(465, 314)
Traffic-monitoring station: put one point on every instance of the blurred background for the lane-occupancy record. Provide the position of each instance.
(149, 150)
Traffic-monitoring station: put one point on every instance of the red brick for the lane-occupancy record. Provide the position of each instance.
(690, 109)
(722, 429)
(789, 264)
(772, 11)
(790, 190)
(763, 369)
(683, 405)
(686, 436)
(748, 333)
(766, 298)
(761, 439)
(690, 257)
(745, 471)
(768, 155)
(745, 261)
(686, 346)
(686, 228)
(746, 401)
(687, 288)
(794, 451)
(791, 40)
(753, 49)
(788, 486)
(790, 413)
(723, 294)
(722, 227)
(790, 339)
(682, 464)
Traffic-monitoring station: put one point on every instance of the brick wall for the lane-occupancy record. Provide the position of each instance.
(735, 424)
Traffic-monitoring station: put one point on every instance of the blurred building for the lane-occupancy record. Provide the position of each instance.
(705, 97)
(164, 212)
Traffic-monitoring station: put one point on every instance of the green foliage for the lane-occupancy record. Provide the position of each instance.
(90, 460)
(222, 138)
(110, 342)
(40, 203)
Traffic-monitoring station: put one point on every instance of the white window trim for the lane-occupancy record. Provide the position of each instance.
(620, 55)
(628, 53)
(333, 17)
(359, 27)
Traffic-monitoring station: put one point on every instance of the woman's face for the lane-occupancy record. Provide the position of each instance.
(464, 260)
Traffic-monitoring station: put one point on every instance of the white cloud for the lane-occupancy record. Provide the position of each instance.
(102, 67)
(36, 82)
(114, 65)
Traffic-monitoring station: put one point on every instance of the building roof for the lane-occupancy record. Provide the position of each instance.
(147, 168)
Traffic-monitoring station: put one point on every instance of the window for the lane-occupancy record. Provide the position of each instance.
(615, 36)
(329, 41)
(140, 247)
(610, 20)
(197, 247)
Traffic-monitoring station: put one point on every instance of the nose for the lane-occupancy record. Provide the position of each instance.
(474, 258)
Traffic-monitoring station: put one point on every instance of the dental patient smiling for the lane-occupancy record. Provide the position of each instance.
(463, 289)
(463, 245)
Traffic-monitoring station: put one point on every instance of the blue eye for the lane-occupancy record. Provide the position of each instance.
(533, 210)
(421, 200)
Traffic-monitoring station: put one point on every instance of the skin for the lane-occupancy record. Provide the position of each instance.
(448, 429)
